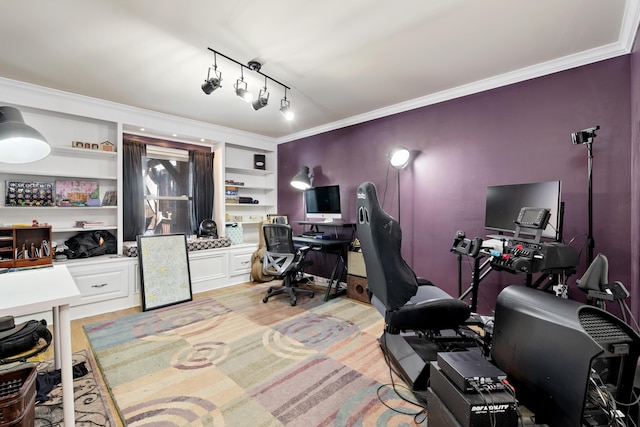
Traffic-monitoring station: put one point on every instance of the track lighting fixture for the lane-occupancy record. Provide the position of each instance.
(285, 107)
(212, 83)
(263, 97)
(214, 79)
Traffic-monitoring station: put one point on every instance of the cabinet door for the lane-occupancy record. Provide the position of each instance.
(240, 262)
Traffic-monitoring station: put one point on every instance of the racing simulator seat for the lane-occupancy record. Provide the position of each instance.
(420, 318)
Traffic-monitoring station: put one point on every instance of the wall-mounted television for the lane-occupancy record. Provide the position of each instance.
(503, 204)
(323, 203)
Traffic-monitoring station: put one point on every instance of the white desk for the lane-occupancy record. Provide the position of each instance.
(34, 291)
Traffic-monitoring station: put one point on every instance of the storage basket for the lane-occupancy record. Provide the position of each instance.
(18, 397)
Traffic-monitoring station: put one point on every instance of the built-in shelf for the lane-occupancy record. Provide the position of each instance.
(82, 152)
(76, 177)
(243, 171)
(79, 229)
(247, 205)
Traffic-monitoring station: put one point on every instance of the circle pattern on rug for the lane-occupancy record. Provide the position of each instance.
(200, 355)
(285, 347)
(317, 331)
(177, 410)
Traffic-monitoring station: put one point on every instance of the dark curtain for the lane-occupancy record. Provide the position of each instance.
(133, 189)
(202, 193)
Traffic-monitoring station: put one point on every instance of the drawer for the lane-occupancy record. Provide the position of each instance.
(99, 284)
(239, 263)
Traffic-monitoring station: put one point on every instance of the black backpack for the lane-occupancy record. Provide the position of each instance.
(21, 338)
(91, 243)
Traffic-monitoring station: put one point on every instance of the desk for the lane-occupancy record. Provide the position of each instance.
(339, 248)
(34, 291)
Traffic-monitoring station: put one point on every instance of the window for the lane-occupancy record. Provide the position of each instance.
(167, 204)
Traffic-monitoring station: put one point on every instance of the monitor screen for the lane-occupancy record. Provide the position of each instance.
(503, 204)
(323, 202)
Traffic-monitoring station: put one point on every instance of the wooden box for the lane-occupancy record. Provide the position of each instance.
(357, 288)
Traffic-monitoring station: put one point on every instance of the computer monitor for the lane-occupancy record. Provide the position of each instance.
(323, 203)
(503, 204)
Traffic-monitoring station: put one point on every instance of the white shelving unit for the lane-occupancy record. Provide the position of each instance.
(112, 282)
(66, 163)
(259, 184)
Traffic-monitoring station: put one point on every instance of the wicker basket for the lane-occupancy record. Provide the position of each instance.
(18, 397)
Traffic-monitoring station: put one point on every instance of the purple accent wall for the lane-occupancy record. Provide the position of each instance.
(635, 176)
(518, 133)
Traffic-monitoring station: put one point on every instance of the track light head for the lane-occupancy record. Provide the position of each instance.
(262, 101)
(241, 90)
(212, 83)
(285, 109)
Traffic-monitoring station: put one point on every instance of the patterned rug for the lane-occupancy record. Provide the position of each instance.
(230, 360)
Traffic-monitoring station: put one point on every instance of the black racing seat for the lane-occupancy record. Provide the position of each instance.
(406, 302)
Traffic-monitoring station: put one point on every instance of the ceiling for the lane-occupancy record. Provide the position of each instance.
(345, 61)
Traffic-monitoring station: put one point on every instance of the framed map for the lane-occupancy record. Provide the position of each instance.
(164, 270)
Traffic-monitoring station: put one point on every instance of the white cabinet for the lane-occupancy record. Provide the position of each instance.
(250, 193)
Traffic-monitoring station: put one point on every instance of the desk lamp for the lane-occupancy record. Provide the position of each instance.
(302, 180)
(20, 143)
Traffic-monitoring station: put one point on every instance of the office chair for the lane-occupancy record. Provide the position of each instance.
(415, 312)
(283, 260)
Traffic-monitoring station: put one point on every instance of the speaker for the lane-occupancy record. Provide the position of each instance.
(259, 161)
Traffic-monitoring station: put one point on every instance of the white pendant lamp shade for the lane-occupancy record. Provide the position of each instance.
(20, 143)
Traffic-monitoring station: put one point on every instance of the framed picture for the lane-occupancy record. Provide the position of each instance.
(277, 219)
(20, 193)
(95, 147)
(77, 193)
(164, 270)
(78, 144)
(110, 198)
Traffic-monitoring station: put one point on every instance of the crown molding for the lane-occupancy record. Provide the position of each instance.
(629, 27)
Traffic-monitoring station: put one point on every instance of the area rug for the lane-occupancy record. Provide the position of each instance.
(231, 360)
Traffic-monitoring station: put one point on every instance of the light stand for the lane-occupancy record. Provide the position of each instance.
(586, 137)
